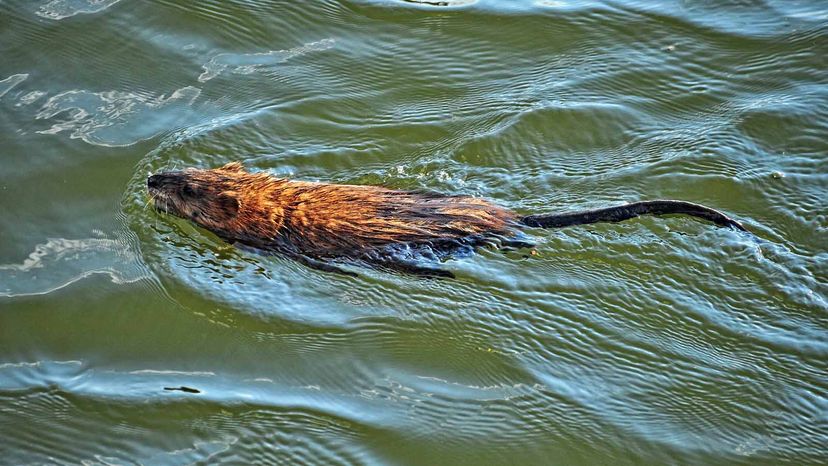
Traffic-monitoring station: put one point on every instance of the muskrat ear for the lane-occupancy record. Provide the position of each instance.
(228, 203)
(232, 167)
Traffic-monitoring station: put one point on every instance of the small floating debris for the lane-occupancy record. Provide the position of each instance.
(777, 175)
(183, 389)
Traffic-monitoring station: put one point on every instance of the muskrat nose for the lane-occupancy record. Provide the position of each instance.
(154, 181)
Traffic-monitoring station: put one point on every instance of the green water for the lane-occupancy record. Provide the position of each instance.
(653, 341)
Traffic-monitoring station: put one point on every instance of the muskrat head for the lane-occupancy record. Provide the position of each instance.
(204, 196)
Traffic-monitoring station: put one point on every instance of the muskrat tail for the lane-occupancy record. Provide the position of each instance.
(628, 211)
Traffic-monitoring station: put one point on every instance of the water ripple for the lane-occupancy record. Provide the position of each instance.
(653, 341)
(61, 9)
(60, 262)
(255, 62)
(113, 118)
(9, 83)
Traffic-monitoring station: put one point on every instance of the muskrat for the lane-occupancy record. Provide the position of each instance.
(320, 224)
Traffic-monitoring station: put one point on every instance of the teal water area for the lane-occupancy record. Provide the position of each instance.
(653, 341)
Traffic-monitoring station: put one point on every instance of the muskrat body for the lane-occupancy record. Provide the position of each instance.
(321, 223)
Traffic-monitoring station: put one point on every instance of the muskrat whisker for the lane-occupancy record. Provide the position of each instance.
(151, 199)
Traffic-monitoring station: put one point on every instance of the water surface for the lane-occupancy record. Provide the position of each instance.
(654, 341)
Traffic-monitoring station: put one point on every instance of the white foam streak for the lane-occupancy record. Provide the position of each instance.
(60, 9)
(8, 84)
(132, 117)
(60, 262)
(252, 62)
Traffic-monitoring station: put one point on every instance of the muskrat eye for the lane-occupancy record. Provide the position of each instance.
(188, 191)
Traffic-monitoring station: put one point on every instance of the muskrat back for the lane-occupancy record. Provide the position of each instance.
(319, 219)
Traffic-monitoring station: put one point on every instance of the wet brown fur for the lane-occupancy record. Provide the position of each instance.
(320, 219)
